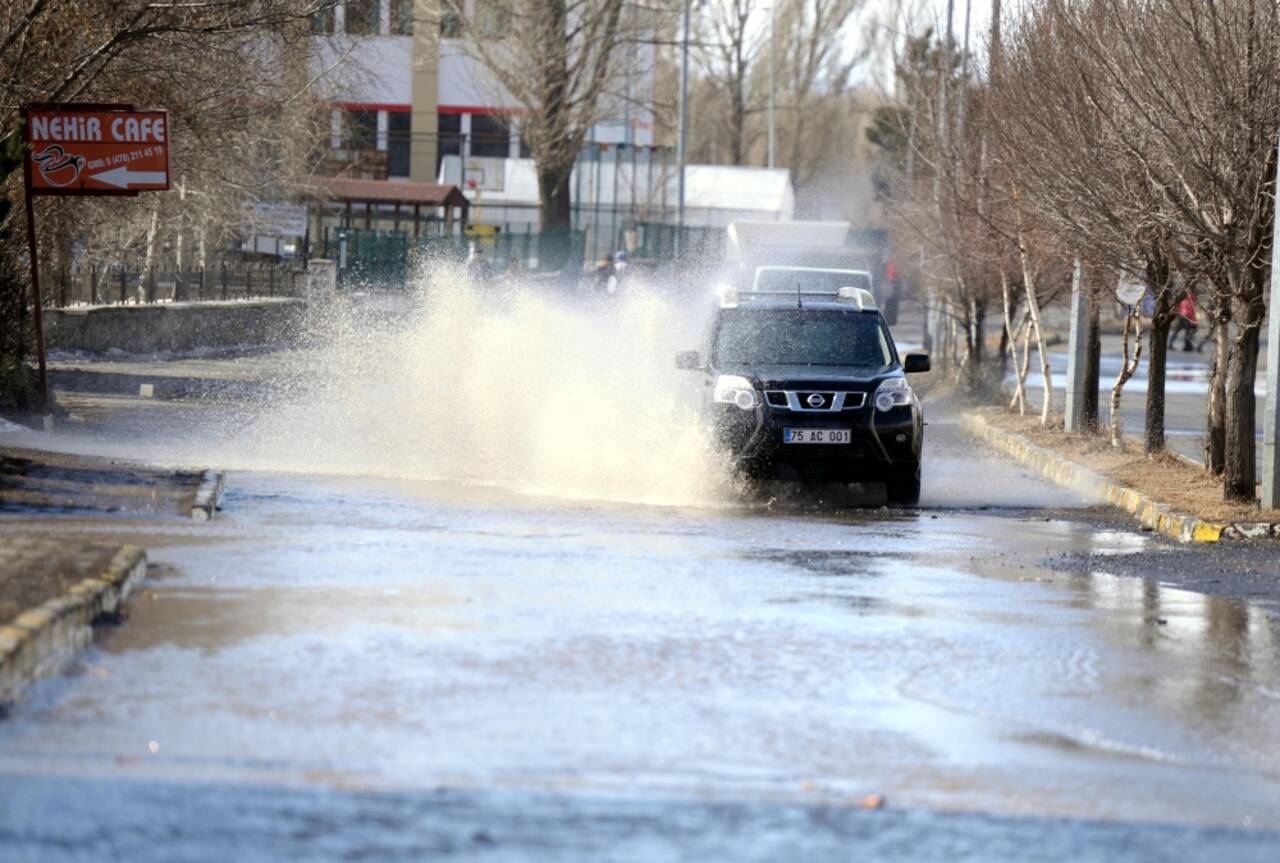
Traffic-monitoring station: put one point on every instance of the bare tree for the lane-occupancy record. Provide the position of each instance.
(815, 65)
(556, 60)
(217, 65)
(732, 39)
(1196, 97)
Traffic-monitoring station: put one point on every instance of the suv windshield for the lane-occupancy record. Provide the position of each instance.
(800, 337)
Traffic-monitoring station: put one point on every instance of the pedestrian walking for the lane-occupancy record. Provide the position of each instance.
(1186, 323)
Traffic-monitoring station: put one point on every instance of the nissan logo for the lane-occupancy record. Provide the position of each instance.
(816, 400)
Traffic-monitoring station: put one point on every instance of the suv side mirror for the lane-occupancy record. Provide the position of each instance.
(689, 361)
(913, 363)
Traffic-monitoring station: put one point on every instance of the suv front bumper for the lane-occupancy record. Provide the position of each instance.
(883, 445)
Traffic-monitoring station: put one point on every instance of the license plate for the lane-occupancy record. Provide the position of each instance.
(816, 435)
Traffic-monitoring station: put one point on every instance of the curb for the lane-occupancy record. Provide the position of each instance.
(39, 642)
(205, 502)
(1152, 514)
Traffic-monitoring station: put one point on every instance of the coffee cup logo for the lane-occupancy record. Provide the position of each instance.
(58, 168)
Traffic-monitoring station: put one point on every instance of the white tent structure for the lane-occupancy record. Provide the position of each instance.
(613, 188)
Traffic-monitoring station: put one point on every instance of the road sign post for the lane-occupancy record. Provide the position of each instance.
(87, 149)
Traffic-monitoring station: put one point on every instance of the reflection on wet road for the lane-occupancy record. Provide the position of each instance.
(362, 668)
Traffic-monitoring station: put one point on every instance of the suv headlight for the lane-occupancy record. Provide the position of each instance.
(737, 390)
(892, 393)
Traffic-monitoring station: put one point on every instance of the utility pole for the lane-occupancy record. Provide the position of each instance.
(943, 123)
(683, 122)
(1077, 345)
(1270, 419)
(772, 18)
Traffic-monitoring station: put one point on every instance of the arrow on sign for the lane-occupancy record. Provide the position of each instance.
(123, 178)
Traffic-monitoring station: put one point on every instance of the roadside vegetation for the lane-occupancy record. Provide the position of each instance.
(235, 78)
(1109, 141)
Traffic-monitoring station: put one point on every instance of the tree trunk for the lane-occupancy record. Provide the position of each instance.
(1092, 366)
(979, 330)
(1215, 432)
(738, 124)
(1033, 309)
(149, 256)
(1012, 343)
(553, 196)
(1158, 284)
(1241, 469)
(1128, 365)
(976, 370)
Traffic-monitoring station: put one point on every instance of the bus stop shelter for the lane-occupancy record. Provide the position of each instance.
(394, 205)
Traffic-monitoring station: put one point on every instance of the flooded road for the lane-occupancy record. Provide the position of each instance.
(360, 668)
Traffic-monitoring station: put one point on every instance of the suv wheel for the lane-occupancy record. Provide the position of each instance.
(904, 489)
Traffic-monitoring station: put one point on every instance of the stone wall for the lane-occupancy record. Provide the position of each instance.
(149, 329)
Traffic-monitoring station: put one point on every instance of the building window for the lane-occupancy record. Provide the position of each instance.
(322, 21)
(361, 17)
(398, 138)
(361, 130)
(490, 136)
(450, 25)
(402, 17)
(448, 137)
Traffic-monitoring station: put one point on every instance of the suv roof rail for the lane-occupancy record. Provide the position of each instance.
(860, 297)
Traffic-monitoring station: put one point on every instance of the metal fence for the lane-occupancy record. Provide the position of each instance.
(373, 258)
(122, 283)
(367, 257)
(527, 251)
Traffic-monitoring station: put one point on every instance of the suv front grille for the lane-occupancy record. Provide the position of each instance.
(815, 401)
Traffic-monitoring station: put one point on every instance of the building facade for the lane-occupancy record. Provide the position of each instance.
(405, 91)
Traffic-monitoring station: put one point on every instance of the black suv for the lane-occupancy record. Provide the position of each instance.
(806, 385)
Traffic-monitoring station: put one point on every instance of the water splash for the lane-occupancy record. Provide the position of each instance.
(511, 384)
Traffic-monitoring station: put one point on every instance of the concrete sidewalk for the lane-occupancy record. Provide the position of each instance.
(39, 481)
(52, 591)
(51, 594)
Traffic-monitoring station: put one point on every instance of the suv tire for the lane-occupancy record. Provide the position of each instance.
(905, 489)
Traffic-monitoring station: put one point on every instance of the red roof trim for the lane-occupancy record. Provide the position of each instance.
(391, 107)
(478, 109)
(385, 192)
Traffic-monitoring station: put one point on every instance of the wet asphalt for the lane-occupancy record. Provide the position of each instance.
(356, 668)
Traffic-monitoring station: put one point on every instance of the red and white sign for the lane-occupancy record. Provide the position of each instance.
(93, 150)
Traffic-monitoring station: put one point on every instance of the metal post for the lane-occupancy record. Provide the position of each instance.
(1077, 345)
(613, 220)
(595, 199)
(683, 122)
(772, 16)
(37, 299)
(1270, 465)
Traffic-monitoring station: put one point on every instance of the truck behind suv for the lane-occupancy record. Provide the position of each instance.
(803, 383)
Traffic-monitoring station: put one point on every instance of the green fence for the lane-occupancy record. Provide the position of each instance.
(528, 251)
(385, 258)
(379, 258)
(660, 242)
